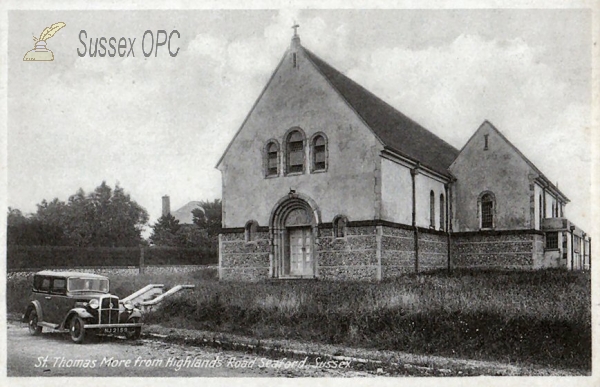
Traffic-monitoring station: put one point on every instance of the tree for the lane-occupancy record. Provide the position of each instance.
(30, 231)
(164, 231)
(105, 217)
(189, 235)
(209, 220)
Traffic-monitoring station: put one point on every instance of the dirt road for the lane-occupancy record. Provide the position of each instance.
(53, 354)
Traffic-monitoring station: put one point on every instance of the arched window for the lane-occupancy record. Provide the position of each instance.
(541, 211)
(319, 153)
(339, 226)
(442, 213)
(431, 210)
(272, 158)
(251, 228)
(295, 152)
(562, 211)
(487, 210)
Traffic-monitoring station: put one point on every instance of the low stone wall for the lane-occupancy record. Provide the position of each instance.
(353, 257)
(433, 250)
(241, 260)
(496, 250)
(110, 271)
(397, 251)
(375, 252)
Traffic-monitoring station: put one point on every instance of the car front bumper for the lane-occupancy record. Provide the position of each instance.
(124, 325)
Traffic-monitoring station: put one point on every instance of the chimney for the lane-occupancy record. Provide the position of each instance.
(166, 205)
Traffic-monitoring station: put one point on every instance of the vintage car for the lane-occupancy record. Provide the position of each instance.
(79, 303)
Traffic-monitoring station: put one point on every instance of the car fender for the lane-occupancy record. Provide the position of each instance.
(81, 312)
(135, 313)
(35, 304)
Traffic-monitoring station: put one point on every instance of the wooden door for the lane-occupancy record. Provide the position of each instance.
(300, 244)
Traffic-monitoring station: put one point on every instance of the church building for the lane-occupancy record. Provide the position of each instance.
(326, 180)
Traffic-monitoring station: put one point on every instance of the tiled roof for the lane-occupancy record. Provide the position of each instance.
(397, 132)
(184, 214)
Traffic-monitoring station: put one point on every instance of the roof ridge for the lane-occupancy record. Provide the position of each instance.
(391, 126)
(373, 95)
(522, 155)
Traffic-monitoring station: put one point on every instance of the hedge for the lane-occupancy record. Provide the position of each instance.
(45, 257)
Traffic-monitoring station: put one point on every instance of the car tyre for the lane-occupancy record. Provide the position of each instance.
(76, 330)
(32, 323)
(137, 332)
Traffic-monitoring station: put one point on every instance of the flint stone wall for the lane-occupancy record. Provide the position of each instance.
(244, 261)
(433, 251)
(353, 257)
(397, 251)
(495, 251)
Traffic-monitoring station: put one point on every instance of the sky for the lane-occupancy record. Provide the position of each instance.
(158, 125)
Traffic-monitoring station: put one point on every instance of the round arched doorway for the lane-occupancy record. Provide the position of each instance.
(294, 229)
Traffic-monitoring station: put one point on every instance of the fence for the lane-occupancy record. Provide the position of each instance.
(20, 258)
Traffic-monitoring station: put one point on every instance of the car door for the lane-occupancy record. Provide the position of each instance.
(42, 295)
(61, 302)
(54, 300)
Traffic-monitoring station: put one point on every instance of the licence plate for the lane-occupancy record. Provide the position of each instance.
(116, 330)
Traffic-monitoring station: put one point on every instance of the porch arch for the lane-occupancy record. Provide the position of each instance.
(292, 210)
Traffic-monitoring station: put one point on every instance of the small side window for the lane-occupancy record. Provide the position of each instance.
(37, 282)
(339, 226)
(552, 240)
(45, 285)
(59, 286)
(251, 228)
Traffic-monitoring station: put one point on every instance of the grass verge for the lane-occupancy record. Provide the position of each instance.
(539, 318)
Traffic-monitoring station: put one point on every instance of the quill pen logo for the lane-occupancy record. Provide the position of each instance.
(40, 52)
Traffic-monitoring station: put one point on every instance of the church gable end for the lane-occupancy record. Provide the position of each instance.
(300, 135)
(490, 166)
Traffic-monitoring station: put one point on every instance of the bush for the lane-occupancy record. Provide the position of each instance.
(43, 257)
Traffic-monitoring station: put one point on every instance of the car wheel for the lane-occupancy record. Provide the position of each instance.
(137, 332)
(34, 329)
(76, 330)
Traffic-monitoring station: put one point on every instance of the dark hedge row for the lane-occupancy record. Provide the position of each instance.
(47, 257)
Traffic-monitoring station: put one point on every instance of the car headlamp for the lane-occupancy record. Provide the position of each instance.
(93, 304)
(128, 305)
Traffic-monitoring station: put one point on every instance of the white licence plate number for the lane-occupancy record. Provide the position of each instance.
(116, 330)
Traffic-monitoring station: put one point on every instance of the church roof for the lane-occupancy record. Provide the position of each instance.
(395, 130)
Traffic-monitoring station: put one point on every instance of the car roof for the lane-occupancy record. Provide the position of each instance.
(69, 274)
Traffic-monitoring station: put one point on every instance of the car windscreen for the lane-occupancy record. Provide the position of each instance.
(83, 284)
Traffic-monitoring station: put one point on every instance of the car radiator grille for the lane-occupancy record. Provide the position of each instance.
(109, 310)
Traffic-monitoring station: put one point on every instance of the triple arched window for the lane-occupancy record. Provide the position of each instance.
(272, 158)
(294, 154)
(318, 153)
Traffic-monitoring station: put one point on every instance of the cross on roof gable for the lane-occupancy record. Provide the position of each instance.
(394, 130)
